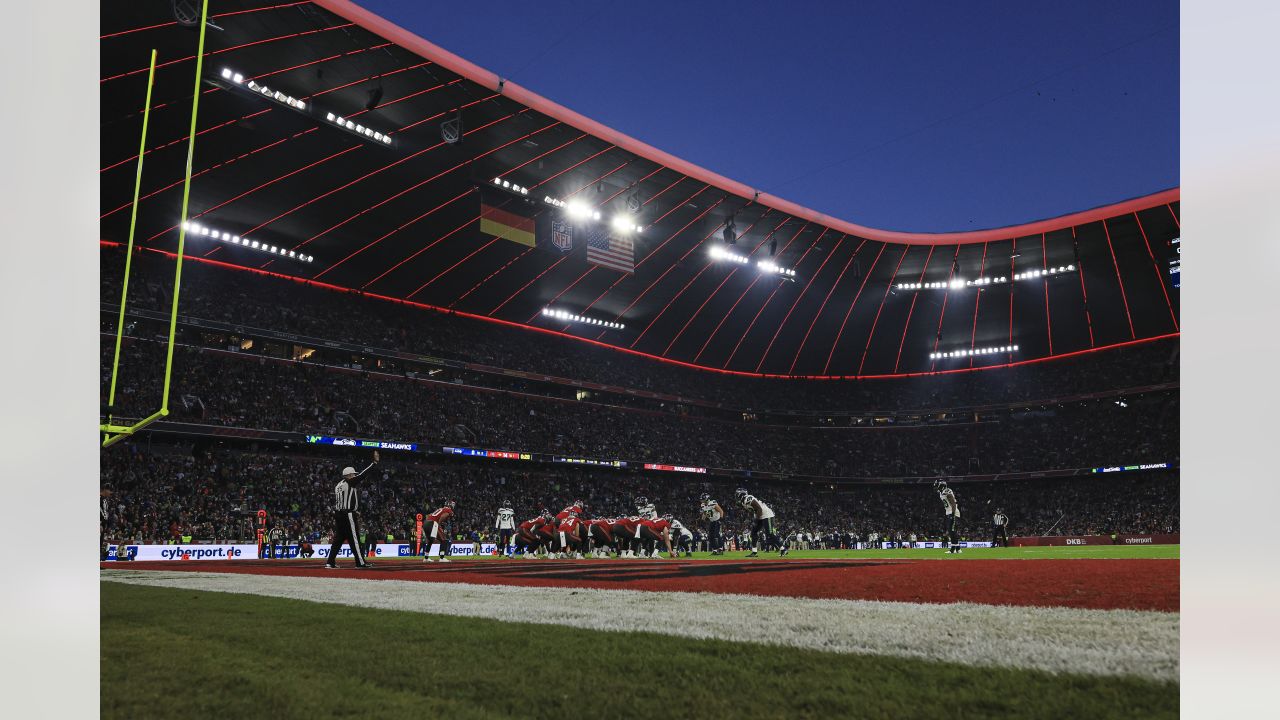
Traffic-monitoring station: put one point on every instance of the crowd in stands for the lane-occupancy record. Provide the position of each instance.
(254, 392)
(164, 492)
(221, 294)
(172, 492)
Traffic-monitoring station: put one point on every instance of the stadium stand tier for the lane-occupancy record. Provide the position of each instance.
(165, 491)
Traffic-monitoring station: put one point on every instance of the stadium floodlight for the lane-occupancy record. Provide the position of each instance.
(719, 252)
(956, 283)
(771, 267)
(201, 230)
(974, 352)
(576, 318)
(623, 223)
(578, 209)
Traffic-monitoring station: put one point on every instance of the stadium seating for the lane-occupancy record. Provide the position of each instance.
(166, 491)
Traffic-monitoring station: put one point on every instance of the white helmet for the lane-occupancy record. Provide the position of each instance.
(348, 471)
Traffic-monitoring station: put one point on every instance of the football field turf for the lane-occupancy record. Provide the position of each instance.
(1022, 632)
(170, 652)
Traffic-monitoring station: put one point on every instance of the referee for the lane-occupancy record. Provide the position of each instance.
(999, 529)
(346, 501)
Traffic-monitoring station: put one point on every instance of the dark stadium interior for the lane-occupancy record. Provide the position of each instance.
(410, 325)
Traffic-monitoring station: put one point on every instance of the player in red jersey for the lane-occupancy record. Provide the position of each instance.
(529, 537)
(575, 509)
(546, 534)
(570, 535)
(657, 531)
(436, 531)
(600, 531)
(626, 533)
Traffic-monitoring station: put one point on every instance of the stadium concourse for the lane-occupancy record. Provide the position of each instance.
(389, 248)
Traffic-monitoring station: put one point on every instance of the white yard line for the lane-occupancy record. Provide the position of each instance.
(1055, 640)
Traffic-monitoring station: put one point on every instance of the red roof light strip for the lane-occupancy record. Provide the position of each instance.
(977, 299)
(914, 297)
(1116, 264)
(658, 358)
(227, 49)
(731, 273)
(887, 288)
(823, 306)
(800, 297)
(1159, 273)
(219, 15)
(770, 298)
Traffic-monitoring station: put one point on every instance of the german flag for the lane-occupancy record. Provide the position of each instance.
(508, 226)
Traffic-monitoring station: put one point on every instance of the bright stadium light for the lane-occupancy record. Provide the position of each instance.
(974, 352)
(1044, 272)
(575, 318)
(718, 252)
(202, 230)
(623, 223)
(578, 209)
(771, 267)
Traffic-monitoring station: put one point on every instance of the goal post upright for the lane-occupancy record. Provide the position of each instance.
(114, 433)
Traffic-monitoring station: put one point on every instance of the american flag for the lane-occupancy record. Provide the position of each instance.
(612, 251)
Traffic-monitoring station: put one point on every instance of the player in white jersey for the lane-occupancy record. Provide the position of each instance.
(951, 508)
(646, 510)
(505, 524)
(713, 514)
(684, 537)
(762, 531)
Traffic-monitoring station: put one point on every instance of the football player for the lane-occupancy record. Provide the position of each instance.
(762, 531)
(570, 535)
(600, 530)
(951, 510)
(647, 511)
(437, 531)
(626, 532)
(505, 524)
(684, 537)
(654, 532)
(713, 514)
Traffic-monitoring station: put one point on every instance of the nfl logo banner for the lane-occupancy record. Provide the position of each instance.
(562, 235)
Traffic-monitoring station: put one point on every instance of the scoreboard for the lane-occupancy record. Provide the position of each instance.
(1175, 261)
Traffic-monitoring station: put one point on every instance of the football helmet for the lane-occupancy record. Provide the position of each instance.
(642, 501)
(705, 497)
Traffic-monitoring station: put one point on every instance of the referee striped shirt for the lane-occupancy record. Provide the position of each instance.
(346, 498)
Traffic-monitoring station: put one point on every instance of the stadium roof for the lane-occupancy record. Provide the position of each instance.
(401, 217)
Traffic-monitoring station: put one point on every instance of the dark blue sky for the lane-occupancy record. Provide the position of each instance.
(899, 115)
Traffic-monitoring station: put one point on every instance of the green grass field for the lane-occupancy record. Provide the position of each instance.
(168, 653)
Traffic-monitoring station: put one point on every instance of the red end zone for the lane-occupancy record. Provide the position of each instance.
(1095, 584)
